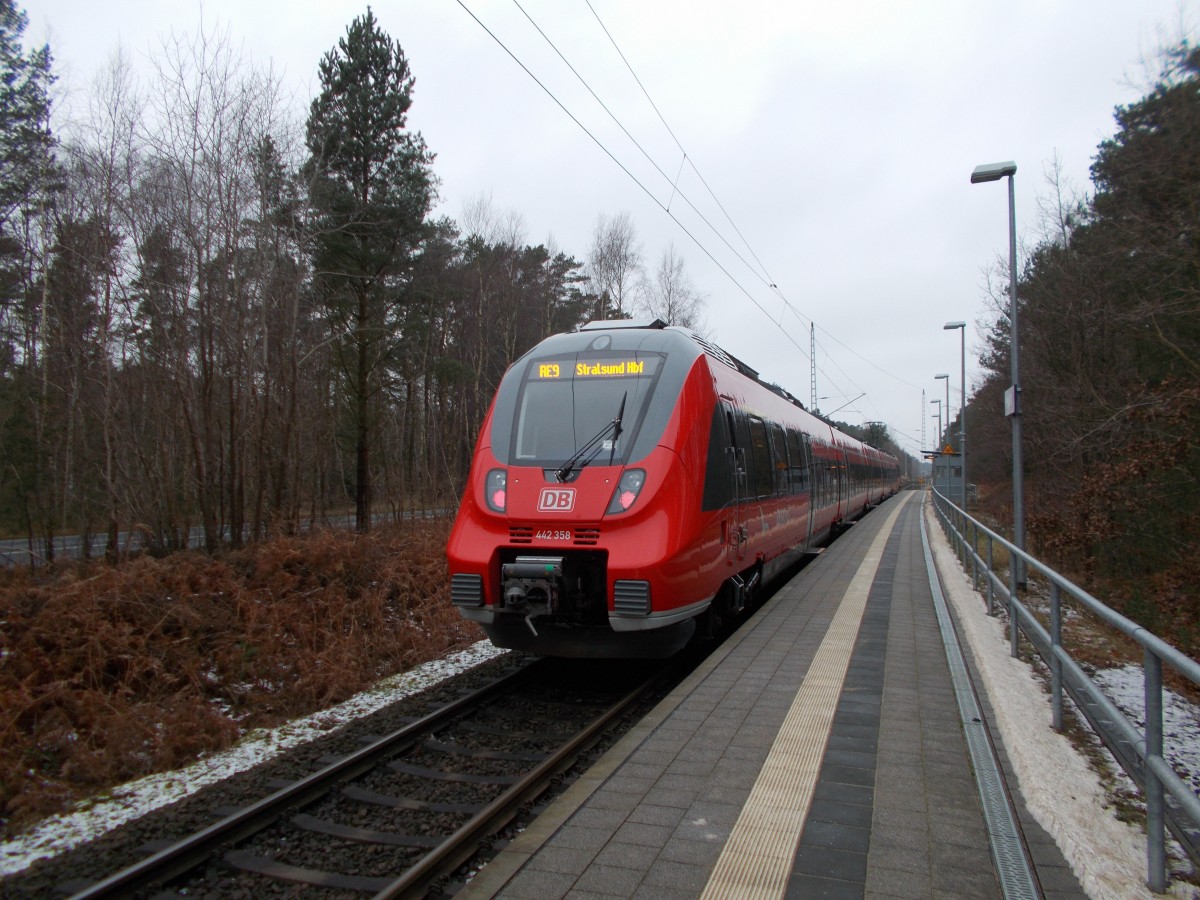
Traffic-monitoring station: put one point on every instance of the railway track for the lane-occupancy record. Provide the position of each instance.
(402, 813)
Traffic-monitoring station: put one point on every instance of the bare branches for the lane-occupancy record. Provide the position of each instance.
(672, 296)
(615, 265)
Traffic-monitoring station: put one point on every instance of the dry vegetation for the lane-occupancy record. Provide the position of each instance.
(110, 673)
(1161, 599)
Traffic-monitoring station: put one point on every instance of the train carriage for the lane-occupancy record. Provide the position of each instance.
(631, 479)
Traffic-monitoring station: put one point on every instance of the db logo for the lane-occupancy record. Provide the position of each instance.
(556, 500)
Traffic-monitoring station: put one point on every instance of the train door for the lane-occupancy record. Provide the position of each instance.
(807, 463)
(737, 537)
(821, 467)
(839, 473)
(841, 469)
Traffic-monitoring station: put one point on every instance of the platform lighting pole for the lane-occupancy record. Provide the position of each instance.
(946, 437)
(938, 448)
(962, 409)
(924, 444)
(1012, 397)
(946, 408)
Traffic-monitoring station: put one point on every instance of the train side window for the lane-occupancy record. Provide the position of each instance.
(719, 469)
(741, 440)
(822, 480)
(810, 476)
(813, 478)
(779, 459)
(797, 463)
(760, 451)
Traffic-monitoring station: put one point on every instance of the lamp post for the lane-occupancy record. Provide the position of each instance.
(949, 443)
(938, 448)
(1012, 397)
(962, 409)
(946, 408)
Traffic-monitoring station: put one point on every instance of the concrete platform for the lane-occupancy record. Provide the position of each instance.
(820, 752)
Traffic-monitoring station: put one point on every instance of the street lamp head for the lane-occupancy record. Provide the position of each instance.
(943, 375)
(950, 326)
(993, 171)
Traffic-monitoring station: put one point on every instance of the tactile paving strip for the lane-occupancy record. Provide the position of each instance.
(757, 859)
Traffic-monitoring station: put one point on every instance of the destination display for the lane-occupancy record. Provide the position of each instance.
(610, 367)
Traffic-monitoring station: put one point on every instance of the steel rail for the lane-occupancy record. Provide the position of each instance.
(461, 845)
(189, 852)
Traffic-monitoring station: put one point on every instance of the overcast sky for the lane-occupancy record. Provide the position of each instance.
(838, 137)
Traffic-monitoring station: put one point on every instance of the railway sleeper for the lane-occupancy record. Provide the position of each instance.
(362, 795)
(260, 865)
(364, 835)
(404, 768)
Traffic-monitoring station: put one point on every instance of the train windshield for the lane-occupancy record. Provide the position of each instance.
(567, 400)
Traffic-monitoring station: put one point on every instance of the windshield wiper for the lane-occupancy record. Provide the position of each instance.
(593, 447)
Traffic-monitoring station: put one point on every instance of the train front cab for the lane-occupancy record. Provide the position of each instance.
(589, 577)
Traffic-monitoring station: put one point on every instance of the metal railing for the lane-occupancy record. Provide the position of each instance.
(1171, 804)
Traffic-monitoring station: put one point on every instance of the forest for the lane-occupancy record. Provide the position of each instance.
(214, 317)
(1109, 313)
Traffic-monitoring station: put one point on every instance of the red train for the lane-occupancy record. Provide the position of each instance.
(632, 478)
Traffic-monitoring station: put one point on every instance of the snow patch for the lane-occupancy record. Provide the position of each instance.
(1061, 791)
(1125, 686)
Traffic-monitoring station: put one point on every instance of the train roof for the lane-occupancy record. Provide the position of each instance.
(708, 348)
(681, 343)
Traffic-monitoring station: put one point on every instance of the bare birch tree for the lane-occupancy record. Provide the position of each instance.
(672, 296)
(615, 265)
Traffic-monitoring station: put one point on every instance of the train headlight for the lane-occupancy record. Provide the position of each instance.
(495, 490)
(627, 490)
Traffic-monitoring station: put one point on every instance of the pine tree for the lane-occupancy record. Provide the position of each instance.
(26, 154)
(371, 188)
(25, 139)
(27, 180)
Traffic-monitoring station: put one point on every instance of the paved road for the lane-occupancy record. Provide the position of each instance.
(70, 546)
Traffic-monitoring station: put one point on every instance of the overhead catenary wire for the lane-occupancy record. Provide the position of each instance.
(867, 360)
(764, 277)
(761, 273)
(626, 170)
(848, 377)
(686, 158)
(769, 281)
